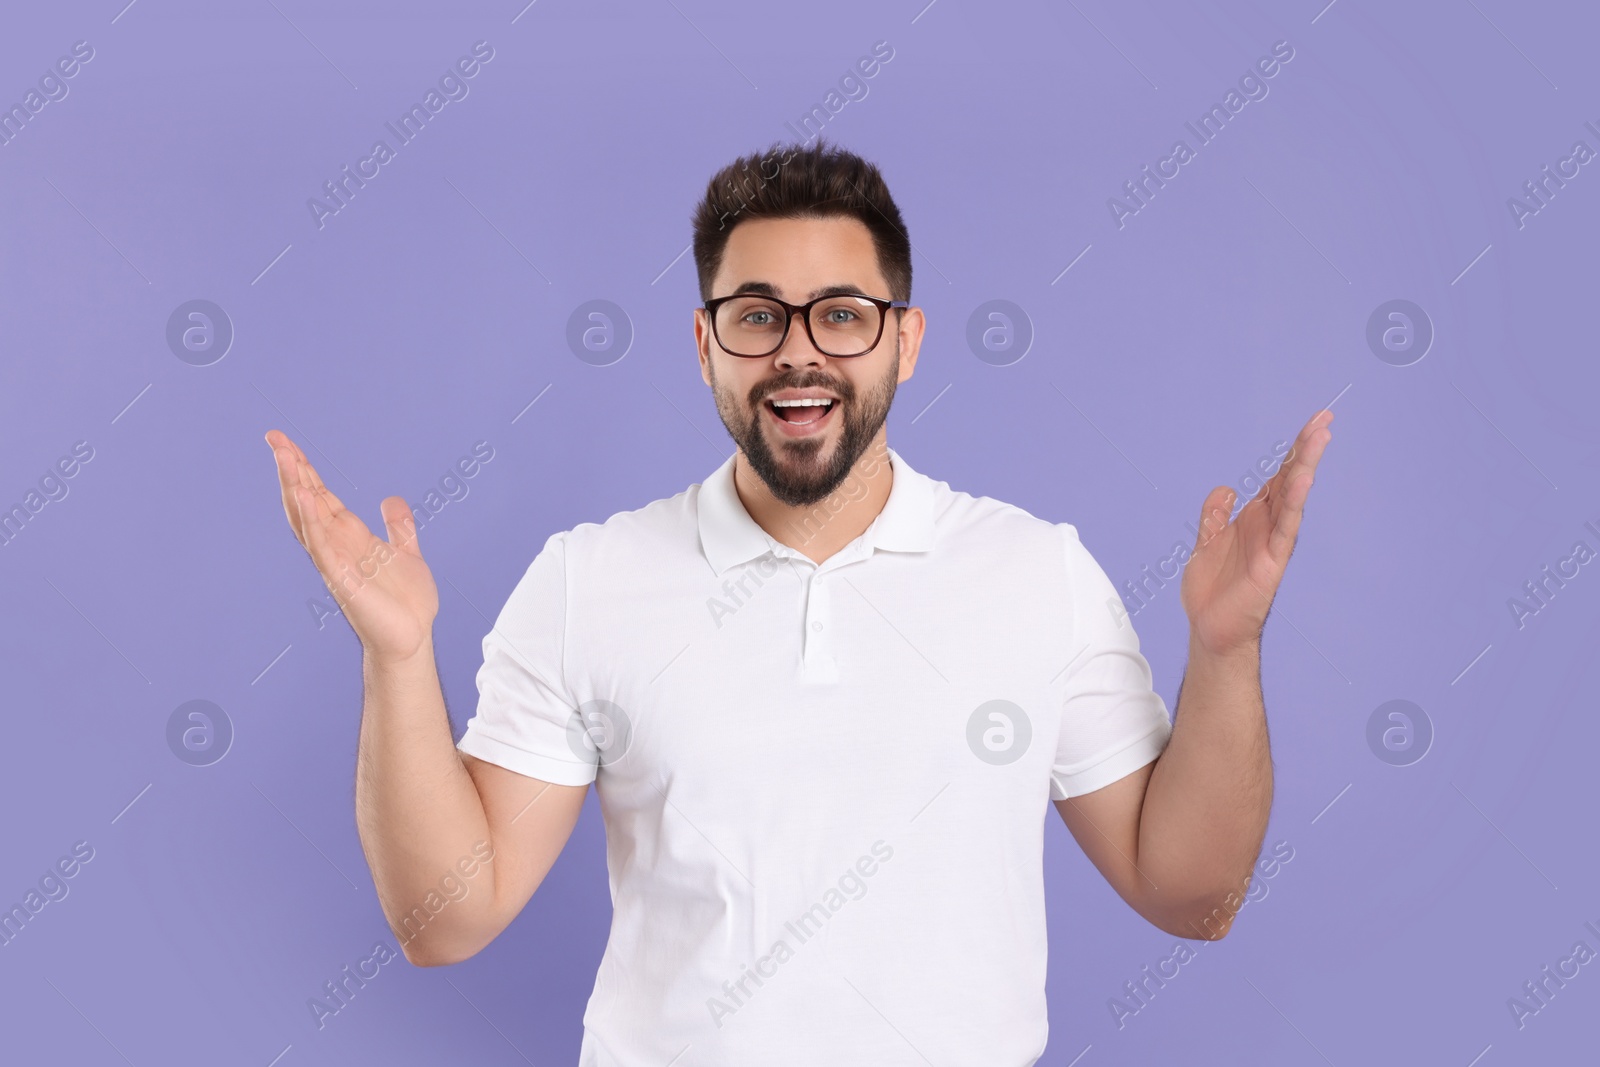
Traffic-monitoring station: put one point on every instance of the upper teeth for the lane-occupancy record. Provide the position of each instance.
(807, 402)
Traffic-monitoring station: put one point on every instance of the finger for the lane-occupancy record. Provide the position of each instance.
(318, 523)
(1302, 456)
(1303, 438)
(400, 524)
(1320, 419)
(300, 454)
(288, 482)
(1214, 514)
(1305, 464)
(310, 479)
(1286, 525)
(316, 479)
(279, 439)
(1308, 433)
(1290, 506)
(314, 523)
(304, 473)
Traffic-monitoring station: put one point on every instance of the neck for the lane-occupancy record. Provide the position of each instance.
(819, 530)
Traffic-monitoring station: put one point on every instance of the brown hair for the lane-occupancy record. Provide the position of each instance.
(819, 181)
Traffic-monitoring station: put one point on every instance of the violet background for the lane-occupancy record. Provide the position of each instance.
(1209, 327)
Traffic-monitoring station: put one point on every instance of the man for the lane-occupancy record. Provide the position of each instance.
(824, 699)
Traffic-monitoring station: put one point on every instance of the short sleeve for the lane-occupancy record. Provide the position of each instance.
(526, 713)
(1112, 720)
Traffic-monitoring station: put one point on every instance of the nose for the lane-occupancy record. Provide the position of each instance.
(797, 349)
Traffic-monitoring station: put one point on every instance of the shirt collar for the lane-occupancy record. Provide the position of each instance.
(729, 536)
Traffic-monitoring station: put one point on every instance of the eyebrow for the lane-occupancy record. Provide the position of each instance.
(768, 289)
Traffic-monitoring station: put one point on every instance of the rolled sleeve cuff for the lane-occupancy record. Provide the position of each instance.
(556, 770)
(1087, 777)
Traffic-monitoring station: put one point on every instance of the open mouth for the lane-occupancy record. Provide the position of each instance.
(808, 413)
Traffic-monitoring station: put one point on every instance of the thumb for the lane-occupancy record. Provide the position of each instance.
(1214, 514)
(400, 524)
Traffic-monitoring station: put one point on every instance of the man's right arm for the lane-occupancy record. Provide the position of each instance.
(422, 806)
(426, 811)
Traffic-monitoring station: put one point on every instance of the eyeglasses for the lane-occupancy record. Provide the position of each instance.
(840, 325)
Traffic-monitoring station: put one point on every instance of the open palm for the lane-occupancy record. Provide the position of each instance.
(1231, 579)
(384, 588)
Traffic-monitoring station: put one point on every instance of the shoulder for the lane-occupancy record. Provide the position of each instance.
(1010, 539)
(972, 520)
(642, 533)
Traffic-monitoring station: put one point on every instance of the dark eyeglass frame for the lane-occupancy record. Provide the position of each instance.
(804, 311)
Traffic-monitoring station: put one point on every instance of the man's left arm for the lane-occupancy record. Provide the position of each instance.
(1178, 838)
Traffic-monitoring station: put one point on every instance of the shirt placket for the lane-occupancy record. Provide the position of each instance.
(818, 638)
(818, 662)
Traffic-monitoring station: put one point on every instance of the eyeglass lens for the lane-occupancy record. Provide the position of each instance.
(842, 325)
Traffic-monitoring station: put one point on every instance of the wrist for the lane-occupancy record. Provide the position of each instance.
(394, 662)
(1246, 654)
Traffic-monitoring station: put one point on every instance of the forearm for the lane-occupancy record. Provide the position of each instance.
(418, 811)
(1206, 805)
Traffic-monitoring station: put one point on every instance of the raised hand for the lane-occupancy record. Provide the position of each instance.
(385, 590)
(1231, 579)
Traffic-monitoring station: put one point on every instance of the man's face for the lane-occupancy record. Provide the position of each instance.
(802, 462)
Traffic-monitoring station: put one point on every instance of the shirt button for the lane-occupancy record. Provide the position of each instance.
(816, 626)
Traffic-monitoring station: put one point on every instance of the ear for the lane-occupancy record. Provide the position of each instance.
(912, 326)
(702, 343)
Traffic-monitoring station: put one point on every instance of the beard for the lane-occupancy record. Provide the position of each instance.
(800, 472)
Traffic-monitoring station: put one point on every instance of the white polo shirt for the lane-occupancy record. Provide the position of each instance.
(824, 786)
